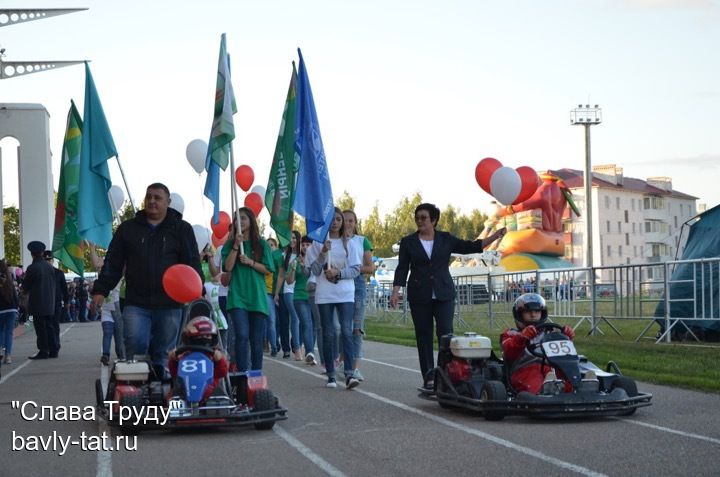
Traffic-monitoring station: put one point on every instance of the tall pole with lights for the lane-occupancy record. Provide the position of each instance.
(587, 116)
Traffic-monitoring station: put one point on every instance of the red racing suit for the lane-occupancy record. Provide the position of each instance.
(527, 373)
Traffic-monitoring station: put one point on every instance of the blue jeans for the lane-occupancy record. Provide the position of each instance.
(153, 332)
(283, 326)
(271, 332)
(345, 315)
(108, 328)
(249, 329)
(359, 316)
(7, 327)
(317, 327)
(302, 308)
(294, 320)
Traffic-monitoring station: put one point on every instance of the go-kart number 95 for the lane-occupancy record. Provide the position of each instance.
(559, 348)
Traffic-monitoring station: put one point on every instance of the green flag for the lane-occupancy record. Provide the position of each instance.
(66, 244)
(223, 128)
(280, 191)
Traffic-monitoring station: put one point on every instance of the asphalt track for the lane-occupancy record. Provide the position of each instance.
(380, 428)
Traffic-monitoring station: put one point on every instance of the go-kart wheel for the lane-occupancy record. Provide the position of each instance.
(493, 391)
(629, 386)
(264, 401)
(99, 395)
(440, 387)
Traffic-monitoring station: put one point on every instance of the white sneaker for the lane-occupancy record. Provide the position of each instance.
(358, 375)
(351, 382)
(331, 383)
(550, 377)
(310, 359)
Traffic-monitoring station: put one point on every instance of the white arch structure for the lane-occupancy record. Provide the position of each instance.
(28, 123)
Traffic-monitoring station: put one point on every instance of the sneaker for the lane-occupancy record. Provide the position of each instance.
(322, 369)
(286, 355)
(297, 355)
(8, 359)
(332, 383)
(357, 375)
(549, 386)
(351, 382)
(273, 354)
(105, 360)
(550, 377)
(310, 359)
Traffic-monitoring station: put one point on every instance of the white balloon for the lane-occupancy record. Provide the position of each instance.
(177, 202)
(259, 190)
(196, 151)
(505, 185)
(202, 236)
(117, 197)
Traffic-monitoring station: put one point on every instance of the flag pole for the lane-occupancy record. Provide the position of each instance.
(122, 174)
(233, 197)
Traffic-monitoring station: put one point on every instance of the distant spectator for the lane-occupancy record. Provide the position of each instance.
(39, 284)
(8, 311)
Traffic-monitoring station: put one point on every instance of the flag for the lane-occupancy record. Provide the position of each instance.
(223, 130)
(280, 191)
(313, 194)
(66, 244)
(94, 210)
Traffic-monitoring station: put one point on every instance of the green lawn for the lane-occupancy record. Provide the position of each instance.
(687, 365)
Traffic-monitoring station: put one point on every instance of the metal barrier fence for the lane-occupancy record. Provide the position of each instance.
(598, 296)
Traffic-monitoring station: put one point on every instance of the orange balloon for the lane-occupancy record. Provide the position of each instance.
(182, 283)
(220, 229)
(217, 242)
(254, 202)
(244, 176)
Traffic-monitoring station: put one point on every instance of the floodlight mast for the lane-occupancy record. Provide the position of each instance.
(587, 116)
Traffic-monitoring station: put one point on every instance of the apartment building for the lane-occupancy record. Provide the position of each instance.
(635, 221)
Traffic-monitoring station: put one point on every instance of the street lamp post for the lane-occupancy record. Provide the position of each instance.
(587, 116)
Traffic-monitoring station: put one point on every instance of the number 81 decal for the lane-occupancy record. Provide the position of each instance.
(191, 366)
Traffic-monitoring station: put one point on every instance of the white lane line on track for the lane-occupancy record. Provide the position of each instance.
(629, 421)
(673, 431)
(307, 453)
(104, 457)
(9, 375)
(469, 430)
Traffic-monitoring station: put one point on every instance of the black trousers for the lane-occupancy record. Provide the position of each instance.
(422, 316)
(45, 333)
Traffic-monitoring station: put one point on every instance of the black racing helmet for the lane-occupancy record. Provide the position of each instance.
(529, 302)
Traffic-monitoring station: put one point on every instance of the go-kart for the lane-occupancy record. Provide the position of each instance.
(470, 376)
(139, 396)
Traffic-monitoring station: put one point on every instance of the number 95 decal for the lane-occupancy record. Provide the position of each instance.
(559, 348)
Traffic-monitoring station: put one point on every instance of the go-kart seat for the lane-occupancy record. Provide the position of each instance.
(197, 308)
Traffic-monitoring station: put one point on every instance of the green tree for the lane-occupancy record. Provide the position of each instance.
(345, 202)
(11, 226)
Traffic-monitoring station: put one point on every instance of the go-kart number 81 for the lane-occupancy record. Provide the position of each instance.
(559, 348)
(191, 366)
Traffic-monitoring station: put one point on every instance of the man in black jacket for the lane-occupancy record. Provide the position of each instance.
(61, 296)
(142, 249)
(39, 284)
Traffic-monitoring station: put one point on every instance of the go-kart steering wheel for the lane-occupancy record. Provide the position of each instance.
(187, 348)
(542, 327)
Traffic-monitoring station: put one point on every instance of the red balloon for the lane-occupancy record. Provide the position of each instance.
(217, 242)
(484, 171)
(254, 202)
(530, 182)
(182, 283)
(244, 176)
(221, 228)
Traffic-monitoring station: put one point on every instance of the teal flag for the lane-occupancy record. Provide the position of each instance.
(94, 210)
(280, 191)
(66, 245)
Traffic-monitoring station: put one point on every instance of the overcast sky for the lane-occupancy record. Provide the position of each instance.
(410, 95)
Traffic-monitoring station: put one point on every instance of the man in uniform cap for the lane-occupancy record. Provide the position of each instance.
(39, 284)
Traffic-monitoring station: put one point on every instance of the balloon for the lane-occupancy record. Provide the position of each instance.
(505, 185)
(529, 181)
(254, 202)
(484, 171)
(221, 228)
(196, 151)
(202, 236)
(177, 202)
(217, 242)
(117, 197)
(182, 283)
(259, 190)
(244, 176)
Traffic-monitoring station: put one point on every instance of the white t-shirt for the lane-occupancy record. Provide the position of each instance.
(290, 287)
(108, 305)
(344, 290)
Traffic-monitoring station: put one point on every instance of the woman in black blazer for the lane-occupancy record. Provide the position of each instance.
(430, 289)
